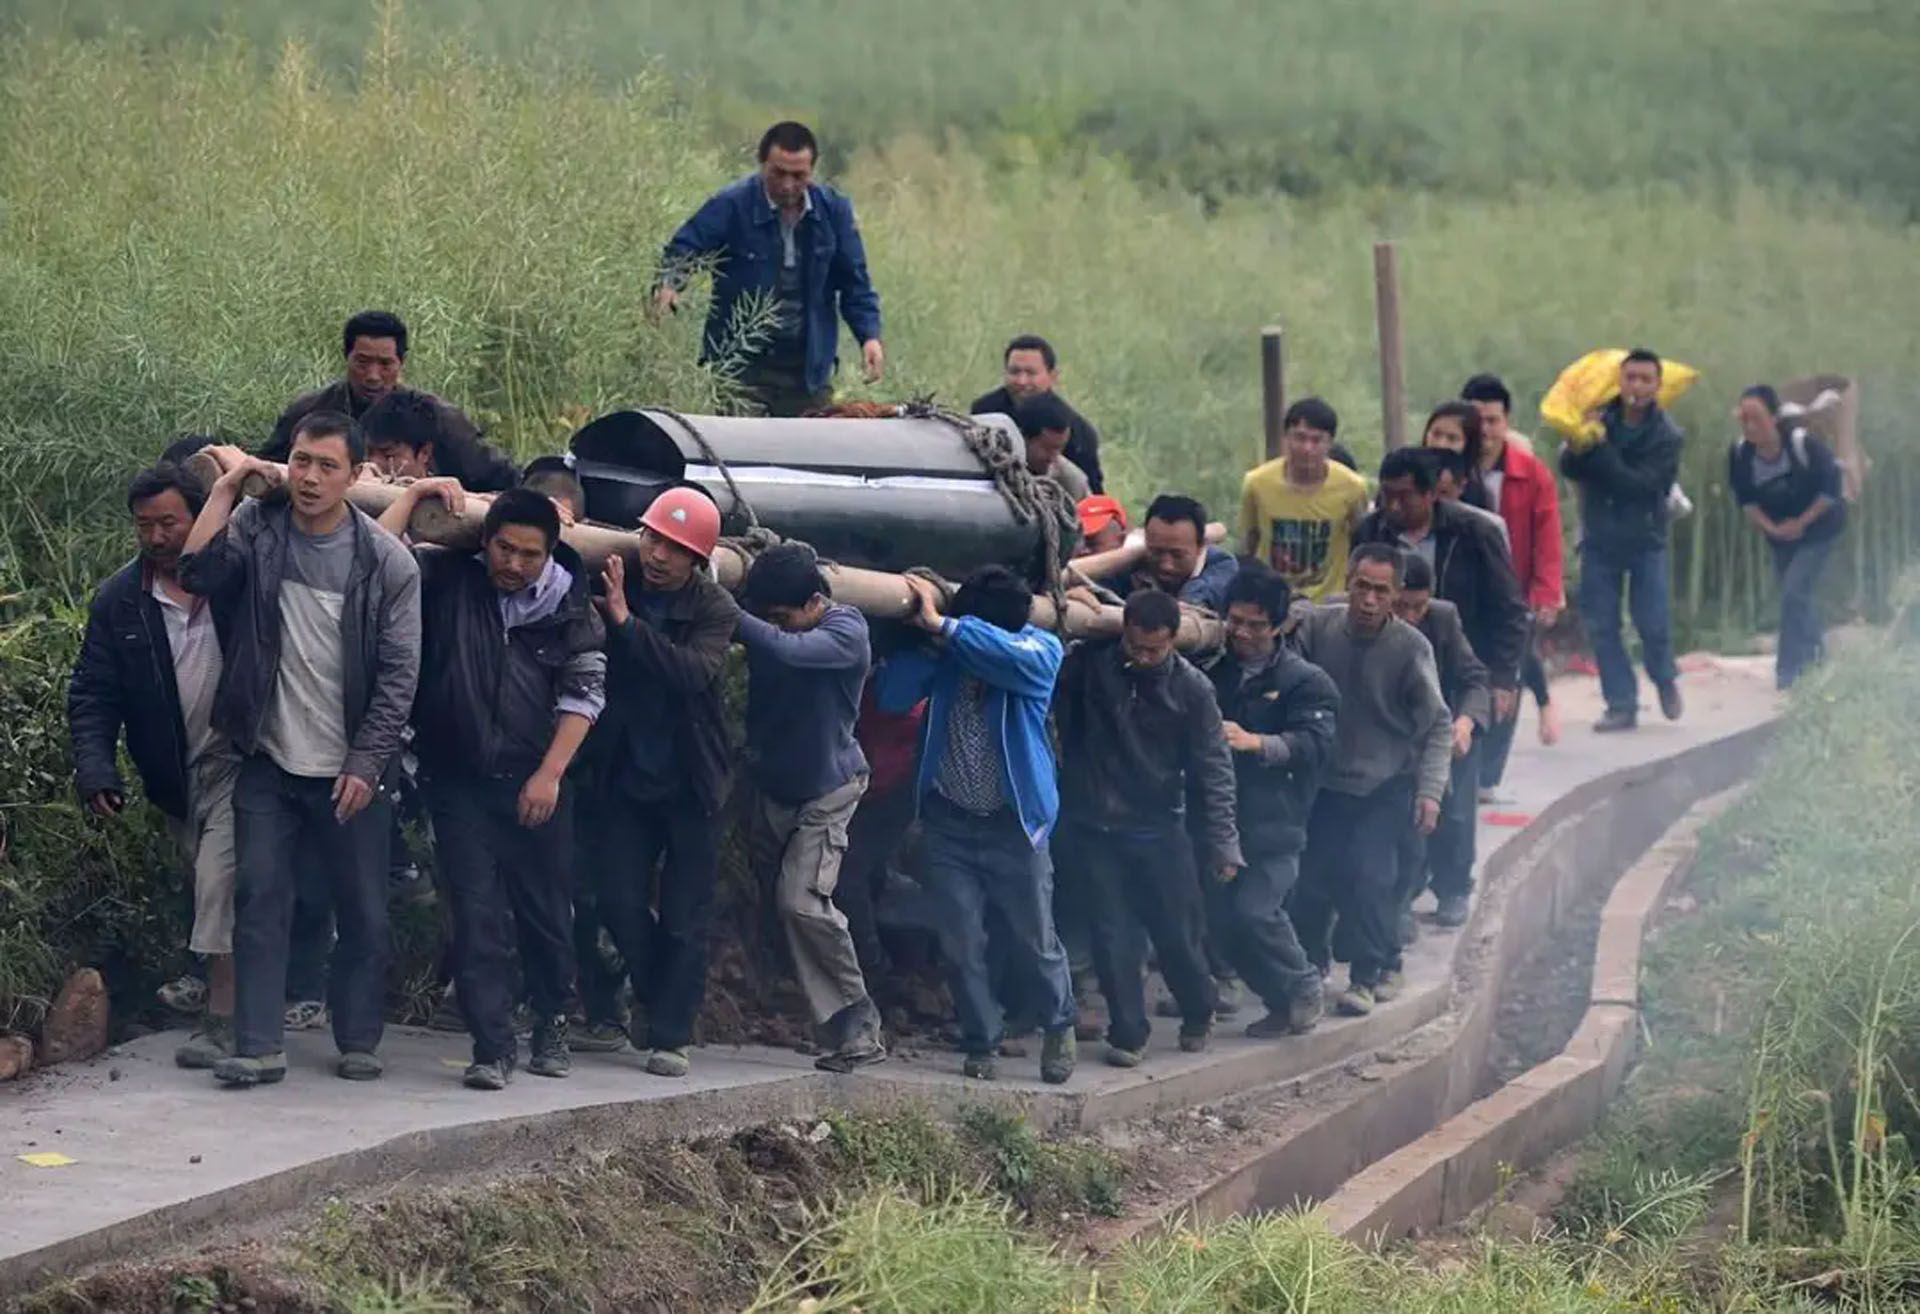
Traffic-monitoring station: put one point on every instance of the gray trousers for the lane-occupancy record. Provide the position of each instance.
(802, 845)
(1256, 934)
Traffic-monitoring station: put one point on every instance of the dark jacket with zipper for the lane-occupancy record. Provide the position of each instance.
(486, 705)
(379, 621)
(1297, 703)
(1463, 677)
(124, 677)
(682, 660)
(1130, 742)
(1812, 473)
(1083, 440)
(1624, 480)
(1473, 570)
(459, 452)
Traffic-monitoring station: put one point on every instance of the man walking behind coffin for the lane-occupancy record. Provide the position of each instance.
(807, 659)
(151, 662)
(1624, 477)
(511, 679)
(321, 664)
(374, 350)
(778, 234)
(662, 760)
(1280, 715)
(1297, 513)
(1389, 772)
(1449, 851)
(988, 800)
(1138, 724)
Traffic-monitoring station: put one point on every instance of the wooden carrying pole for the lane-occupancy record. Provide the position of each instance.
(1386, 307)
(876, 593)
(1273, 387)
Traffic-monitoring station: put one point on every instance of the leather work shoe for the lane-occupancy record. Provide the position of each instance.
(1058, 1055)
(1616, 719)
(1671, 704)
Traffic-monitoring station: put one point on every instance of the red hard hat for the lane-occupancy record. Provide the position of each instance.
(687, 517)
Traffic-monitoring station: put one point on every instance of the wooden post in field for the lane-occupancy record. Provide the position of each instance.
(1273, 387)
(1386, 309)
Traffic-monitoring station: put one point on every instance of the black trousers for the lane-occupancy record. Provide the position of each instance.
(492, 866)
(879, 827)
(675, 846)
(1142, 879)
(1255, 934)
(282, 821)
(1347, 905)
(599, 981)
(1450, 849)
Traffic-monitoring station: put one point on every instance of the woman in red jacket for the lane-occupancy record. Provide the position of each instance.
(1521, 488)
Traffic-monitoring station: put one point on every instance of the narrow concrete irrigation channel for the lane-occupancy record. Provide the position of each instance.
(1423, 1141)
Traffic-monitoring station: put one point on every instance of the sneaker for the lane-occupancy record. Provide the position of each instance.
(978, 1067)
(1671, 704)
(1615, 720)
(1452, 911)
(1304, 1014)
(669, 1063)
(862, 1052)
(1125, 1058)
(551, 1058)
(1193, 1042)
(358, 1065)
(310, 1015)
(211, 1041)
(184, 994)
(1270, 1027)
(599, 1038)
(1389, 986)
(1409, 928)
(488, 1076)
(1058, 1056)
(254, 1070)
(1355, 1001)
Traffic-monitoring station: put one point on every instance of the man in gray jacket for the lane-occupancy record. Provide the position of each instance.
(1389, 772)
(321, 662)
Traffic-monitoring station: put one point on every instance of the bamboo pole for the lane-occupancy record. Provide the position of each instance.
(876, 593)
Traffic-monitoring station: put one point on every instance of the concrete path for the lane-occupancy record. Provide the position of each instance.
(157, 1153)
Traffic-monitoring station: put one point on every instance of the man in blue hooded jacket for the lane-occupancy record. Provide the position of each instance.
(780, 237)
(988, 801)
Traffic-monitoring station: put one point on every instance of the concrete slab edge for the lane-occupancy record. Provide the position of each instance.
(1444, 1175)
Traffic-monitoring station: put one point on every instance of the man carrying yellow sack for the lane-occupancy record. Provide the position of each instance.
(1623, 475)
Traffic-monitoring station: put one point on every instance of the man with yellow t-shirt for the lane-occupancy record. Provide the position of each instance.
(1297, 513)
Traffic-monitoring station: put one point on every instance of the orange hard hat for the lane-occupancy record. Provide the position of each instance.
(686, 516)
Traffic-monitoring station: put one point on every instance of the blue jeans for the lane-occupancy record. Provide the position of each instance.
(974, 862)
(1644, 573)
(1797, 566)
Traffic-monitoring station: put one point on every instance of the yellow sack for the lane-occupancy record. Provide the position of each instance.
(1593, 381)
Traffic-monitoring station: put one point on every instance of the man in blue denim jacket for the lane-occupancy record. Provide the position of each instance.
(788, 248)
